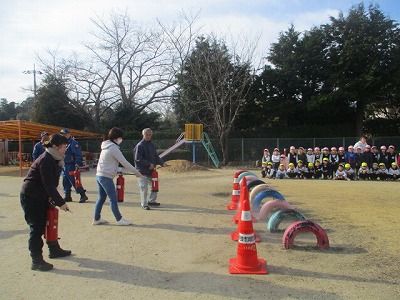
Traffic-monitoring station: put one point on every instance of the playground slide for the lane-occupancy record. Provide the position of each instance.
(172, 148)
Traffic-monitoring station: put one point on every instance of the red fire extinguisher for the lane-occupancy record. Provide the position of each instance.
(51, 232)
(154, 181)
(77, 176)
(120, 187)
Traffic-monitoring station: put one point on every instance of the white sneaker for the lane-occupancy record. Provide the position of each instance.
(123, 222)
(99, 221)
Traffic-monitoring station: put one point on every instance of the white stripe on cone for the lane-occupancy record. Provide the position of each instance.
(246, 216)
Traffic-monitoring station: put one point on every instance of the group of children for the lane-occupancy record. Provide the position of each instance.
(362, 162)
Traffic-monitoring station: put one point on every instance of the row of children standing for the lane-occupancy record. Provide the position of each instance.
(361, 161)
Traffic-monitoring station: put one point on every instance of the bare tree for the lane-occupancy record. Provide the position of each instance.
(143, 61)
(215, 84)
(127, 63)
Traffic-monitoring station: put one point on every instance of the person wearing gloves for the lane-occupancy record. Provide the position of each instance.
(38, 192)
(72, 160)
(110, 157)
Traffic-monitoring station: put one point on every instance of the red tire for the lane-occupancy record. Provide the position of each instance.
(305, 226)
(267, 208)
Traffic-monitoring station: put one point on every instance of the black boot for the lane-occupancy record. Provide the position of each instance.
(83, 197)
(39, 264)
(56, 251)
(68, 197)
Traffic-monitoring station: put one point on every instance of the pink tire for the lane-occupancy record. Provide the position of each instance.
(259, 188)
(268, 207)
(305, 226)
(248, 179)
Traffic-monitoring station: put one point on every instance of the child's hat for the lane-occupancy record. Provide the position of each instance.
(394, 164)
(341, 148)
(325, 159)
(316, 148)
(333, 149)
(341, 165)
(300, 161)
(364, 164)
(391, 147)
(347, 166)
(269, 163)
(309, 149)
(291, 165)
(382, 165)
(325, 149)
(350, 147)
(383, 147)
(310, 164)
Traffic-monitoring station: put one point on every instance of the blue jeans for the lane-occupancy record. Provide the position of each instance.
(106, 188)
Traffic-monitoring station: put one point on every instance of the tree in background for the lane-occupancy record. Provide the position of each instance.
(53, 107)
(212, 88)
(331, 79)
(362, 48)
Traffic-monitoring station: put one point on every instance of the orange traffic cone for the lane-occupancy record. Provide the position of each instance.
(247, 261)
(235, 191)
(244, 194)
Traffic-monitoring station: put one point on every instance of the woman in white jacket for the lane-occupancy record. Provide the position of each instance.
(107, 166)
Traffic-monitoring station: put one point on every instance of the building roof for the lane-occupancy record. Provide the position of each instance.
(24, 130)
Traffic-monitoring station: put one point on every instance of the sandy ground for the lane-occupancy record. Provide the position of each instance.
(182, 249)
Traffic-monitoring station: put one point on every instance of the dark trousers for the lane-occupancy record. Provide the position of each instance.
(35, 217)
(69, 179)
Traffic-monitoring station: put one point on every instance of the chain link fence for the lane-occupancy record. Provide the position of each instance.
(241, 151)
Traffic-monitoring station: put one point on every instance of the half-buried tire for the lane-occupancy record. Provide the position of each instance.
(254, 183)
(268, 207)
(247, 173)
(283, 214)
(255, 205)
(305, 226)
(257, 189)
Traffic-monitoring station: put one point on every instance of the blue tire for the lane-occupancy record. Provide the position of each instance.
(256, 205)
(283, 214)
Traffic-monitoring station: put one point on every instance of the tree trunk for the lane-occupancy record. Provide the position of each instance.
(225, 150)
(360, 118)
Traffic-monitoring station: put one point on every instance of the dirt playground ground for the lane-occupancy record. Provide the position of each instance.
(182, 249)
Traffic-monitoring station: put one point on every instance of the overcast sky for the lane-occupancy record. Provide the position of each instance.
(27, 27)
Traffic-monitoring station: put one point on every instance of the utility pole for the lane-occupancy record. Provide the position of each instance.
(34, 79)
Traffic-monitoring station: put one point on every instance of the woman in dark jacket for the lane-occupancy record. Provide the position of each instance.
(38, 192)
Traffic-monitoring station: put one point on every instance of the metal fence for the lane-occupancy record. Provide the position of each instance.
(246, 150)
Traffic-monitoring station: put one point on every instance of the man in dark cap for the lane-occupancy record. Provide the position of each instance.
(72, 160)
(38, 149)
